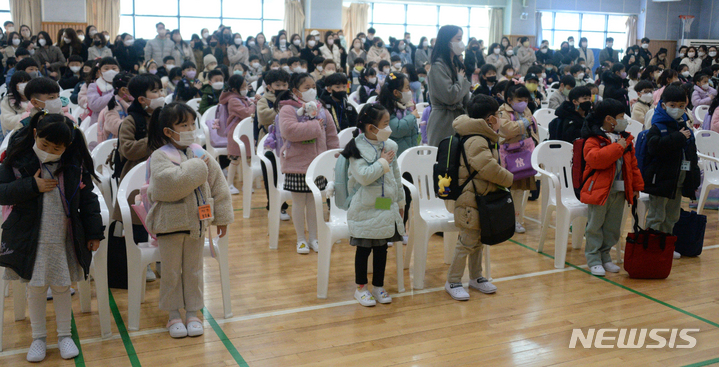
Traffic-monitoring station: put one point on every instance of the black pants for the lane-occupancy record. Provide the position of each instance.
(378, 263)
(271, 156)
(407, 196)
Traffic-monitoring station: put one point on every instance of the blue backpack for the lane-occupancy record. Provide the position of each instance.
(343, 196)
(640, 146)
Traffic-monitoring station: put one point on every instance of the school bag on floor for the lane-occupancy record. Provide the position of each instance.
(690, 233)
(648, 253)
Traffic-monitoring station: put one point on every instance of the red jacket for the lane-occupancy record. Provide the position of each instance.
(601, 156)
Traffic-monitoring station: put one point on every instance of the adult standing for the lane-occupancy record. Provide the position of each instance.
(90, 31)
(126, 54)
(261, 49)
(608, 53)
(181, 51)
(237, 53)
(378, 52)
(160, 46)
(282, 50)
(526, 56)
(421, 55)
(70, 44)
(309, 52)
(585, 53)
(356, 52)
(448, 84)
(370, 39)
(330, 50)
(644, 55)
(473, 61)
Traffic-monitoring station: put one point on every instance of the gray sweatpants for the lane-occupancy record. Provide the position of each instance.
(182, 277)
(604, 223)
(468, 245)
(663, 213)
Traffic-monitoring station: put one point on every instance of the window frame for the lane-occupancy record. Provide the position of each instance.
(553, 28)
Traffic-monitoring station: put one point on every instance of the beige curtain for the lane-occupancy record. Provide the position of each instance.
(630, 32)
(294, 18)
(105, 16)
(355, 19)
(26, 12)
(496, 25)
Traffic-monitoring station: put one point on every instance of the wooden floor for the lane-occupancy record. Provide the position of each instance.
(278, 321)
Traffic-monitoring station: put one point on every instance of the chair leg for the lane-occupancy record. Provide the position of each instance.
(222, 247)
(246, 190)
(525, 199)
(420, 257)
(83, 287)
(103, 298)
(561, 238)
(545, 226)
(135, 280)
(400, 266)
(19, 295)
(409, 249)
(487, 268)
(544, 195)
(3, 284)
(450, 242)
(274, 221)
(323, 264)
(703, 198)
(144, 284)
(578, 228)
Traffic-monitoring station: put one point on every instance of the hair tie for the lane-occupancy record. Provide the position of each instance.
(392, 76)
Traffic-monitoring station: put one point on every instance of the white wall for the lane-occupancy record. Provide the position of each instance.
(323, 14)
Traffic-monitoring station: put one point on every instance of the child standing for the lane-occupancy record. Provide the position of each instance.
(611, 178)
(482, 122)
(239, 107)
(305, 135)
(375, 213)
(670, 165)
(116, 110)
(55, 222)
(189, 194)
(100, 92)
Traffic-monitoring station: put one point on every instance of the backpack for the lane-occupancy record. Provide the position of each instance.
(640, 145)
(579, 164)
(256, 127)
(217, 127)
(343, 197)
(445, 173)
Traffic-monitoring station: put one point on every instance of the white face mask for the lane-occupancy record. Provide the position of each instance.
(544, 75)
(372, 80)
(701, 54)
(41, 42)
(15, 41)
(645, 46)
(66, 40)
(425, 44)
(256, 65)
(286, 68)
(385, 70)
(81, 37)
(685, 74)
(397, 65)
(681, 54)
(10, 29)
(712, 53)
(218, 85)
(383, 134)
(407, 97)
(110, 74)
(243, 92)
(690, 55)
(510, 73)
(311, 43)
(580, 76)
(53, 105)
(283, 42)
(92, 33)
(129, 43)
(329, 72)
(21, 88)
(646, 98)
(510, 52)
(251, 43)
(44, 156)
(331, 41)
(496, 51)
(75, 69)
(156, 103)
(296, 42)
(457, 47)
(238, 41)
(205, 34)
(186, 138)
(309, 95)
(571, 43)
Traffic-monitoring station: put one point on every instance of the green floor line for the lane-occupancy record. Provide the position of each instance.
(704, 363)
(129, 348)
(223, 337)
(625, 287)
(80, 359)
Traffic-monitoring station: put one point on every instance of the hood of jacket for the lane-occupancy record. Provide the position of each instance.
(465, 125)
(227, 95)
(291, 102)
(592, 128)
(661, 115)
(611, 79)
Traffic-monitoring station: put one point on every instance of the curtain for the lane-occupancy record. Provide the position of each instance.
(26, 12)
(496, 25)
(105, 16)
(538, 26)
(630, 32)
(294, 18)
(355, 19)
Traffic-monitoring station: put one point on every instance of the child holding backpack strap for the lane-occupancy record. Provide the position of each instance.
(611, 176)
(480, 125)
(188, 194)
(669, 167)
(375, 211)
(307, 129)
(239, 107)
(516, 124)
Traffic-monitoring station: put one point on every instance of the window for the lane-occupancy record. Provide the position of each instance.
(138, 17)
(558, 26)
(5, 14)
(393, 20)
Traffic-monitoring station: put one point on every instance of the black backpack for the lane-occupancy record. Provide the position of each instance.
(446, 169)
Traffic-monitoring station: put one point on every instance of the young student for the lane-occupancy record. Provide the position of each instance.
(670, 165)
(517, 124)
(334, 97)
(415, 85)
(560, 95)
(14, 105)
(189, 86)
(304, 138)
(666, 78)
(47, 176)
(577, 72)
(384, 70)
(211, 92)
(703, 93)
(44, 96)
(487, 79)
(395, 98)
(645, 101)
(369, 85)
(373, 169)
(329, 67)
(551, 74)
(255, 70)
(570, 115)
(168, 64)
(318, 61)
(615, 85)
(611, 179)
(358, 66)
(239, 107)
(210, 64)
(684, 75)
(72, 76)
(531, 81)
(116, 110)
(507, 73)
(100, 92)
(181, 182)
(172, 81)
(481, 122)
(150, 67)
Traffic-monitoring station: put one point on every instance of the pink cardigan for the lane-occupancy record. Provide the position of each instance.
(303, 141)
(97, 101)
(715, 121)
(109, 121)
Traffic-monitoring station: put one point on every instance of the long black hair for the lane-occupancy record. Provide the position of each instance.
(168, 116)
(365, 74)
(443, 51)
(393, 82)
(120, 80)
(235, 82)
(370, 114)
(296, 81)
(17, 78)
(57, 129)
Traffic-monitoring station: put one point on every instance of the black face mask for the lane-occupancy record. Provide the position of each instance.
(380, 45)
(586, 106)
(491, 79)
(97, 43)
(213, 43)
(475, 48)
(339, 95)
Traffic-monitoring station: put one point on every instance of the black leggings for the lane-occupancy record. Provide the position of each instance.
(378, 263)
(271, 156)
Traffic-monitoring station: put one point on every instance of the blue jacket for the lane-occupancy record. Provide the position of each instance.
(404, 130)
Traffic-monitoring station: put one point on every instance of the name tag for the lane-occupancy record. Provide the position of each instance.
(205, 212)
(686, 165)
(383, 203)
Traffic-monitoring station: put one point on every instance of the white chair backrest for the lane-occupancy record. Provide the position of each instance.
(261, 90)
(209, 114)
(244, 129)
(708, 143)
(543, 133)
(700, 112)
(6, 141)
(419, 162)
(254, 85)
(648, 119)
(359, 107)
(131, 182)
(85, 123)
(90, 134)
(194, 103)
(544, 116)
(100, 154)
(372, 99)
(345, 136)
(354, 97)
(324, 166)
(261, 146)
(632, 94)
(550, 91)
(421, 107)
(634, 127)
(66, 93)
(168, 99)
(555, 156)
(76, 112)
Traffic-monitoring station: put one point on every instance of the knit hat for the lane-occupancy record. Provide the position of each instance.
(209, 59)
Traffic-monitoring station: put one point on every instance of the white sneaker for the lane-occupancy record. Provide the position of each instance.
(611, 267)
(150, 275)
(677, 255)
(194, 327)
(37, 351)
(176, 328)
(234, 190)
(598, 270)
(315, 245)
(302, 247)
(456, 291)
(365, 298)
(405, 240)
(68, 349)
(518, 228)
(381, 295)
(483, 285)
(284, 216)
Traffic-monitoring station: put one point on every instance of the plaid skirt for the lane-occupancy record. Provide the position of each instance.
(295, 182)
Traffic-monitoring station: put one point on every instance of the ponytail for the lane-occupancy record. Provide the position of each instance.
(370, 114)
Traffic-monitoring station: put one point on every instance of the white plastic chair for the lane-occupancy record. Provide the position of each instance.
(544, 116)
(336, 228)
(215, 153)
(345, 135)
(209, 114)
(254, 85)
(372, 99)
(261, 90)
(708, 150)
(90, 134)
(86, 123)
(543, 133)
(6, 141)
(107, 185)
(632, 94)
(700, 112)
(428, 213)
(648, 119)
(250, 170)
(354, 98)
(194, 103)
(277, 194)
(553, 159)
(76, 112)
(66, 93)
(421, 107)
(168, 99)
(634, 127)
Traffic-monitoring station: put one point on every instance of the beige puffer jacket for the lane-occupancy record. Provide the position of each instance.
(482, 159)
(512, 128)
